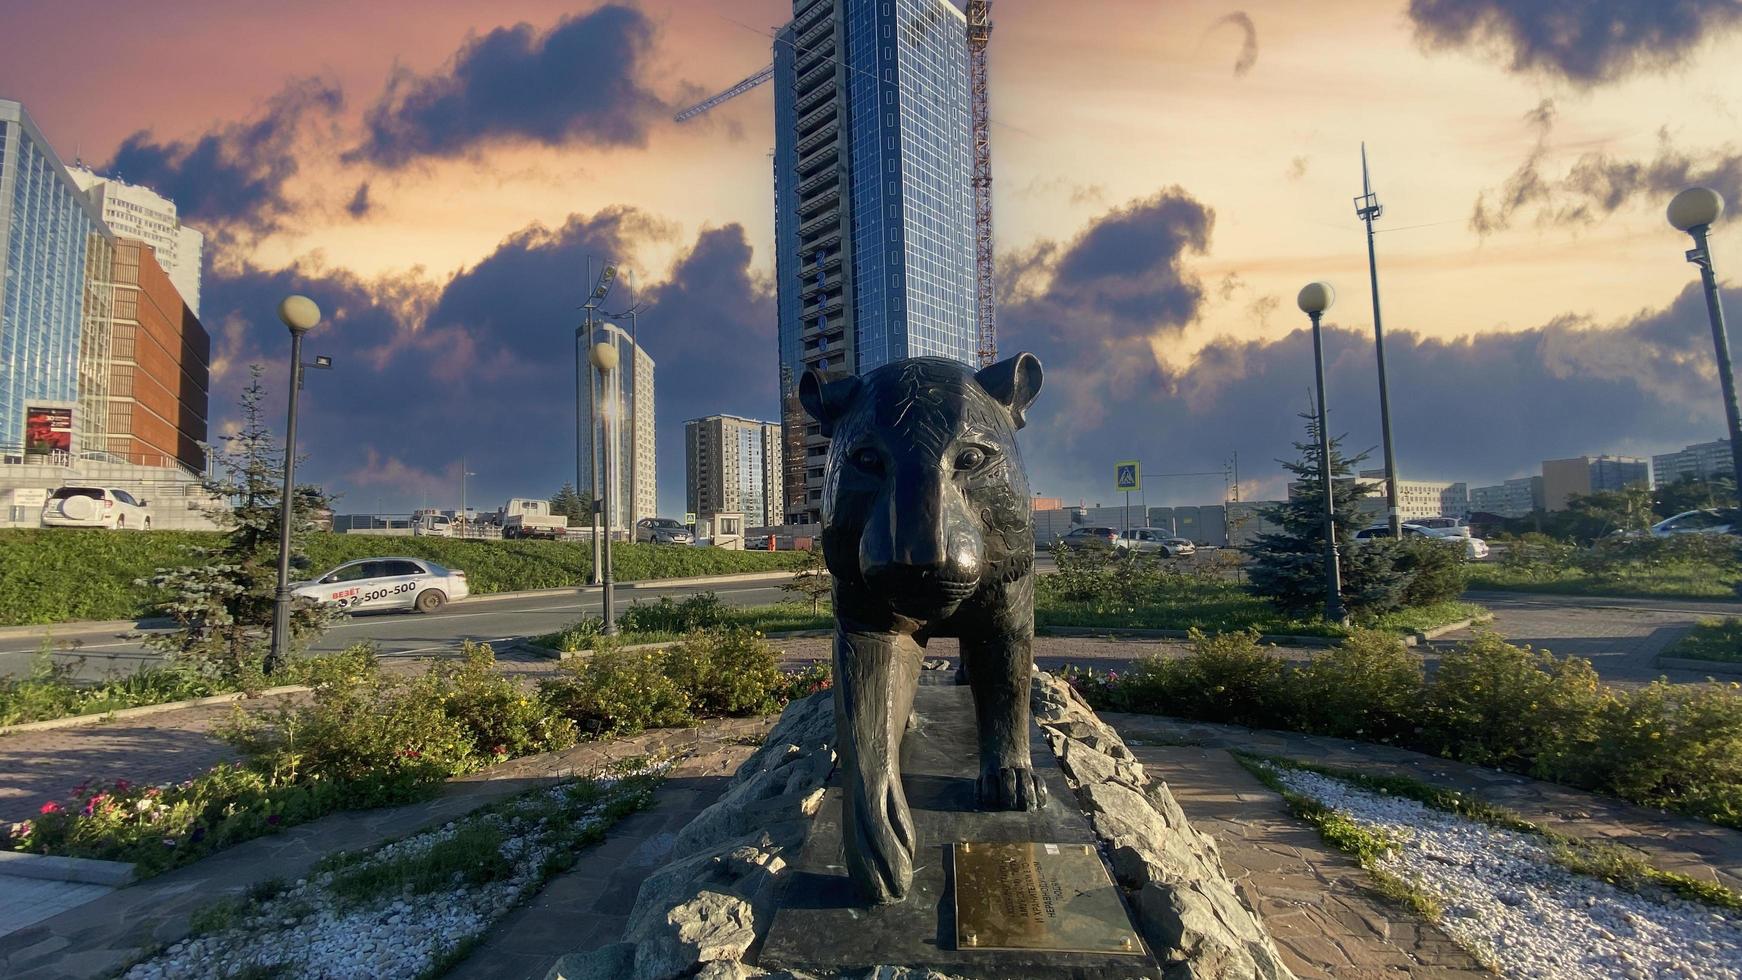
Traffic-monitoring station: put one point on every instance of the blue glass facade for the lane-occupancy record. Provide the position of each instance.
(912, 177)
(874, 217)
(54, 295)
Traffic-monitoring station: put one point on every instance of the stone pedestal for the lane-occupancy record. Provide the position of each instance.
(819, 926)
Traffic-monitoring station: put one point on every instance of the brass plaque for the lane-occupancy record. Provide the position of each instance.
(1055, 897)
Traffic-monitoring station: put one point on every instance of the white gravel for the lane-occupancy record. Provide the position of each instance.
(305, 932)
(1506, 900)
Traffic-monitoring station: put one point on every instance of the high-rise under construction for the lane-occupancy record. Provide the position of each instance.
(875, 236)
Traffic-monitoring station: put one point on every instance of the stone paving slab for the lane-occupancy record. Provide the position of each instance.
(1672, 843)
(100, 937)
(1315, 901)
(26, 901)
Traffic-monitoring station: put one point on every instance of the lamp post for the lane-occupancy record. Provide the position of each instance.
(1693, 211)
(604, 356)
(1314, 300)
(1367, 208)
(299, 314)
(463, 474)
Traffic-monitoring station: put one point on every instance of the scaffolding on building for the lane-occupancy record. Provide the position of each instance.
(979, 39)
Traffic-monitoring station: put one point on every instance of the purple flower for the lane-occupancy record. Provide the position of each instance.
(272, 819)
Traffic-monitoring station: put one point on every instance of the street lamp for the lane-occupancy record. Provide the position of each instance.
(1314, 300)
(464, 522)
(1367, 208)
(604, 357)
(299, 314)
(1693, 211)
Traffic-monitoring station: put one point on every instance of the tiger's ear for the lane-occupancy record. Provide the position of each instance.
(1014, 382)
(824, 400)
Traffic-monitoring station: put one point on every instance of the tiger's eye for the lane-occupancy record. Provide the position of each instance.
(867, 459)
(970, 459)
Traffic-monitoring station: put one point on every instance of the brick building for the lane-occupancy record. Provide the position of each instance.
(159, 366)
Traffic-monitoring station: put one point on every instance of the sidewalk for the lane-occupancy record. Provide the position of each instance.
(1621, 637)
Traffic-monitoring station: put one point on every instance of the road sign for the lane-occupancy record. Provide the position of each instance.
(689, 517)
(1128, 476)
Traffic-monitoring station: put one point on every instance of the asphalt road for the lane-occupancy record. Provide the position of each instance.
(101, 653)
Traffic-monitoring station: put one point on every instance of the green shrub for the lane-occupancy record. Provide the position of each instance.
(1534, 553)
(703, 611)
(1495, 704)
(1711, 639)
(617, 692)
(51, 690)
(1436, 570)
(1677, 747)
(1368, 687)
(733, 672)
(502, 718)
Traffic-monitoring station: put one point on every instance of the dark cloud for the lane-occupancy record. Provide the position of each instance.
(359, 206)
(1248, 40)
(1585, 42)
(1479, 409)
(1597, 184)
(483, 365)
(1123, 275)
(579, 80)
(234, 174)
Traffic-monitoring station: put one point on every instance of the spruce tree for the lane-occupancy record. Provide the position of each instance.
(1288, 565)
(568, 503)
(223, 601)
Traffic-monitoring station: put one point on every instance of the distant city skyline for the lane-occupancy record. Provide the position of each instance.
(1165, 178)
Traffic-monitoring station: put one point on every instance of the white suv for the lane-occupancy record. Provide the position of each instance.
(96, 507)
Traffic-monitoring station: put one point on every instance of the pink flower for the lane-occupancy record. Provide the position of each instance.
(122, 785)
(50, 807)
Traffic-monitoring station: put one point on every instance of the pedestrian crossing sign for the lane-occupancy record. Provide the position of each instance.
(1128, 476)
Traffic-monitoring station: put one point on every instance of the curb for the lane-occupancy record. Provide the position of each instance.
(1704, 666)
(77, 626)
(48, 867)
(74, 721)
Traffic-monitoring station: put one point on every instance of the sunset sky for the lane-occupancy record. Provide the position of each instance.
(1167, 176)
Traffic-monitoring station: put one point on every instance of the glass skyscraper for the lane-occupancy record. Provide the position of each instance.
(874, 209)
(56, 293)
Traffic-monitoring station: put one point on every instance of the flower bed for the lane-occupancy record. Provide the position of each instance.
(413, 907)
(368, 739)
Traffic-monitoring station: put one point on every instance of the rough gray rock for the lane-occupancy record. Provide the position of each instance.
(1187, 907)
(605, 963)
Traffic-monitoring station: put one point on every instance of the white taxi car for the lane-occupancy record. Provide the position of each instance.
(368, 584)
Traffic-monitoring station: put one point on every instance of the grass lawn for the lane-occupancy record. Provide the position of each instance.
(784, 617)
(1712, 639)
(1211, 607)
(1679, 581)
(1217, 607)
(57, 575)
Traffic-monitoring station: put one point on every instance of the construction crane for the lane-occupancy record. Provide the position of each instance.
(979, 38)
(979, 14)
(726, 96)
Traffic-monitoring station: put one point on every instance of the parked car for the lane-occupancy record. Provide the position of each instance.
(387, 583)
(1159, 541)
(1722, 521)
(1092, 537)
(1443, 527)
(663, 530)
(87, 506)
(1475, 549)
